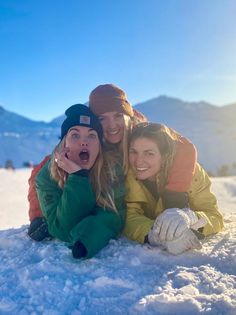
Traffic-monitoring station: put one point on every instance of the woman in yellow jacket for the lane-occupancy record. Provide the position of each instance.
(152, 149)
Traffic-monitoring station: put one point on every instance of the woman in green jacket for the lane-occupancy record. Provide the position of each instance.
(80, 195)
(151, 152)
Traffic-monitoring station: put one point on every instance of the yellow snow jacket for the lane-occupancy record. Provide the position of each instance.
(142, 208)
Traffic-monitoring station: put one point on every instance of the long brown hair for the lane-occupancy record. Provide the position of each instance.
(101, 175)
(165, 138)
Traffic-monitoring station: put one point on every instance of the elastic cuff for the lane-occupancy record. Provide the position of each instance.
(174, 199)
(146, 240)
(82, 173)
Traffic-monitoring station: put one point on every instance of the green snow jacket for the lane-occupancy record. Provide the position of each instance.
(72, 213)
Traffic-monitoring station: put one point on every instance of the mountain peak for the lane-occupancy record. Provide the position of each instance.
(165, 97)
(2, 110)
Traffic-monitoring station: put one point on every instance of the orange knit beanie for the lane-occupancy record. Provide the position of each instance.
(109, 98)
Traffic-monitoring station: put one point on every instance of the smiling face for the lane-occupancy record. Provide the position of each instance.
(113, 124)
(83, 145)
(145, 158)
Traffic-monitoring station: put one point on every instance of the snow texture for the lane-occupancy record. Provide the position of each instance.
(124, 278)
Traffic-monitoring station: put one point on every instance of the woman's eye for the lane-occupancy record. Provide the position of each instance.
(101, 118)
(75, 136)
(92, 136)
(148, 153)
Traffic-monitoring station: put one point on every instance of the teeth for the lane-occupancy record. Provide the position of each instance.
(141, 168)
(113, 132)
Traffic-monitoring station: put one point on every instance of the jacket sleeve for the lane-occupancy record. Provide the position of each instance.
(34, 207)
(183, 167)
(204, 202)
(95, 231)
(137, 223)
(63, 209)
(174, 199)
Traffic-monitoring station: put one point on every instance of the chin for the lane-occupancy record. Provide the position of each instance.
(140, 177)
(114, 140)
(87, 167)
(90, 165)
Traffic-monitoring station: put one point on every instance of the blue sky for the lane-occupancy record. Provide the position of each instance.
(54, 52)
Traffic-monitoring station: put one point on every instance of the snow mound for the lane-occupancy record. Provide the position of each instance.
(124, 278)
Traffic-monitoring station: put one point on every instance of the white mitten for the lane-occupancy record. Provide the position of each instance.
(171, 224)
(188, 240)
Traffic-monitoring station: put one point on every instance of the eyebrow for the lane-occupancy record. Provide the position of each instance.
(71, 129)
(148, 150)
(77, 129)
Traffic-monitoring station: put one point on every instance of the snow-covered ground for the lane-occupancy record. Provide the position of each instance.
(124, 278)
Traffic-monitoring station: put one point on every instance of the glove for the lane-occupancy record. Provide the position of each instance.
(171, 224)
(188, 240)
(38, 229)
(79, 250)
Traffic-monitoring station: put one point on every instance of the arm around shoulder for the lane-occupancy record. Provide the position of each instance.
(183, 167)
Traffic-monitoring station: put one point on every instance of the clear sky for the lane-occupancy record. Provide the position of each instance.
(54, 52)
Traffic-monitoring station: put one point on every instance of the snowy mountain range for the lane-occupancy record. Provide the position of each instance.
(212, 129)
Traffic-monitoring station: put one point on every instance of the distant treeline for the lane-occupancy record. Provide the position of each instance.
(224, 170)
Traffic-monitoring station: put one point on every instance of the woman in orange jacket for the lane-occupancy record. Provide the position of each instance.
(118, 117)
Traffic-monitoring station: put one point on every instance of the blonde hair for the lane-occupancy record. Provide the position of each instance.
(124, 144)
(101, 175)
(165, 138)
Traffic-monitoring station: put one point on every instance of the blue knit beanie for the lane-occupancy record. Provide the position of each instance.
(81, 115)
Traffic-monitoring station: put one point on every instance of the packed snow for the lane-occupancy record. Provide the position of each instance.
(124, 278)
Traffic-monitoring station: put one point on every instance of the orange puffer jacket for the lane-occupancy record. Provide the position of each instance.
(183, 167)
(34, 207)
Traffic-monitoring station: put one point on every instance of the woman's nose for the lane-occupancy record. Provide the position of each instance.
(84, 142)
(139, 160)
(111, 123)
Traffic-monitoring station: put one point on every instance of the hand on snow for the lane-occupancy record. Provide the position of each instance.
(38, 229)
(188, 240)
(79, 250)
(176, 229)
(171, 224)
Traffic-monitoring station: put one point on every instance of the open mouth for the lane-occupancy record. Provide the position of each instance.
(84, 156)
